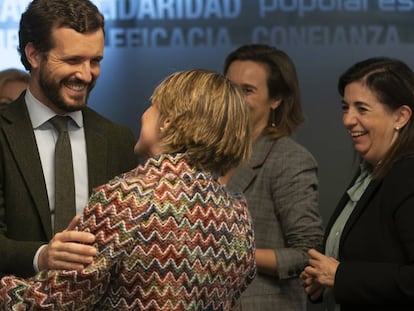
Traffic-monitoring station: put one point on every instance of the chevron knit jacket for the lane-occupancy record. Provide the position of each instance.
(169, 237)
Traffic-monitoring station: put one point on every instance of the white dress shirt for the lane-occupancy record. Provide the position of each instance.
(46, 136)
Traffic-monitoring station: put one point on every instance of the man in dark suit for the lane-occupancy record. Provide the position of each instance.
(61, 44)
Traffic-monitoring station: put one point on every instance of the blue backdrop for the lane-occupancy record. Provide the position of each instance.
(149, 39)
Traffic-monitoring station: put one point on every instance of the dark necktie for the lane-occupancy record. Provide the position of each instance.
(65, 206)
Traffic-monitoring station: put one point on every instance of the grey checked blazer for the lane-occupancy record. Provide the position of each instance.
(281, 187)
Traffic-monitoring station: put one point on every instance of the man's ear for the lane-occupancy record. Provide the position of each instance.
(32, 55)
(403, 116)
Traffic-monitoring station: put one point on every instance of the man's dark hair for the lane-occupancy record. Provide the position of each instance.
(42, 16)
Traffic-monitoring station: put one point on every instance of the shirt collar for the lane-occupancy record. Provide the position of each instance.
(361, 183)
(40, 113)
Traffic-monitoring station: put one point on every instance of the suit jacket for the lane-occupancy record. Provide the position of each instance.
(170, 238)
(281, 187)
(25, 222)
(376, 248)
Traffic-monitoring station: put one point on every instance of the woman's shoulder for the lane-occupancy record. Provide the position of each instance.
(398, 184)
(292, 149)
(400, 178)
(287, 142)
(402, 167)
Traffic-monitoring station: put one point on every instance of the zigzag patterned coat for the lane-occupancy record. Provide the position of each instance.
(169, 237)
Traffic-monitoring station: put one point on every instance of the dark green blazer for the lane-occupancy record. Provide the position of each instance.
(25, 221)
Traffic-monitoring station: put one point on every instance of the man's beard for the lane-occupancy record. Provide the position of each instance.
(51, 90)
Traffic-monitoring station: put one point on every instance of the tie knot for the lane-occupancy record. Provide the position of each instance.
(60, 123)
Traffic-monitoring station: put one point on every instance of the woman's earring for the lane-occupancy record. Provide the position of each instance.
(273, 118)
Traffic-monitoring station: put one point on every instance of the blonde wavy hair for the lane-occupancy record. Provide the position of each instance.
(209, 119)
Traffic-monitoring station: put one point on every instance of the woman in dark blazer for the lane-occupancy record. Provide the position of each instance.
(369, 244)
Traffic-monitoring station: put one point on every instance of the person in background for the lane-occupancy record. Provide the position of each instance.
(169, 236)
(369, 245)
(61, 44)
(280, 181)
(12, 83)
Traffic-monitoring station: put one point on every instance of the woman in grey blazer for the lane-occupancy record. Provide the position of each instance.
(280, 181)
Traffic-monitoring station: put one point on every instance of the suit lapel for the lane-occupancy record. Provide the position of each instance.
(242, 178)
(245, 174)
(19, 134)
(96, 146)
(340, 206)
(359, 208)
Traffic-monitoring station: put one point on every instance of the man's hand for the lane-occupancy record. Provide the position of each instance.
(68, 250)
